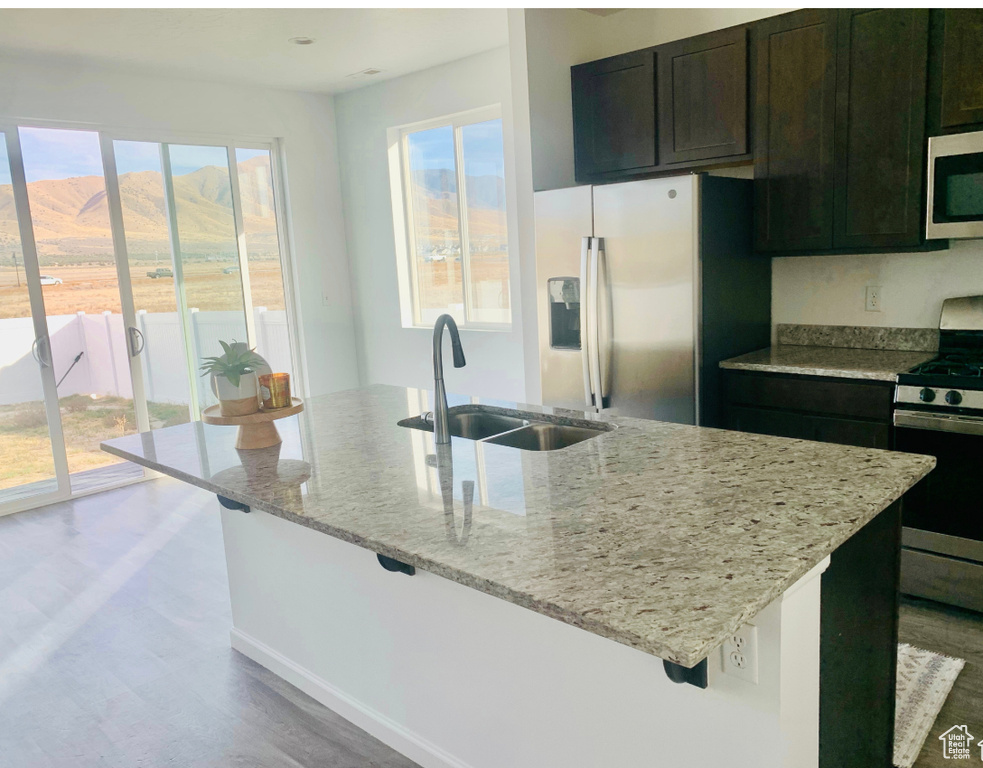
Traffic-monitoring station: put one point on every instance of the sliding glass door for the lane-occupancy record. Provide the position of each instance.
(31, 448)
(156, 328)
(266, 282)
(69, 212)
(204, 233)
(123, 263)
(211, 211)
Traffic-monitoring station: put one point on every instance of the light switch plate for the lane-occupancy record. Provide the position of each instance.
(739, 654)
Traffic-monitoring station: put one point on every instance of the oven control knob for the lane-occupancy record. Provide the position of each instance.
(926, 395)
(953, 398)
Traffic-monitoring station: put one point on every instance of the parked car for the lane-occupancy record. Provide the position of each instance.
(160, 272)
(231, 270)
(50, 280)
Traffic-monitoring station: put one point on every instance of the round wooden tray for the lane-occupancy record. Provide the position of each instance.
(256, 430)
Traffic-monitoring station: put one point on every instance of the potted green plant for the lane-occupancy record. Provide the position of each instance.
(233, 378)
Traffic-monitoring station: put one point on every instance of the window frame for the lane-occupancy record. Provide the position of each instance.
(402, 201)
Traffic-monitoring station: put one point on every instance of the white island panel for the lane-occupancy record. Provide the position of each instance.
(450, 676)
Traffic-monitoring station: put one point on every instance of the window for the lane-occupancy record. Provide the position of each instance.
(448, 179)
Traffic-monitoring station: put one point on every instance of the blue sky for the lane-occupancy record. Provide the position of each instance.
(434, 148)
(62, 154)
(4, 164)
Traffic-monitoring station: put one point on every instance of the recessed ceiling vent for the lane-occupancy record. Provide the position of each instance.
(364, 73)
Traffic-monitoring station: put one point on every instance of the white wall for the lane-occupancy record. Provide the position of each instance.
(32, 89)
(524, 202)
(558, 38)
(389, 353)
(830, 290)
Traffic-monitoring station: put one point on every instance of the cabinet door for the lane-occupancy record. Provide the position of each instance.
(795, 87)
(864, 434)
(962, 67)
(703, 97)
(880, 127)
(614, 114)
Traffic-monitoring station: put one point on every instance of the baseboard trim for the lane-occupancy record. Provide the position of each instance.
(386, 730)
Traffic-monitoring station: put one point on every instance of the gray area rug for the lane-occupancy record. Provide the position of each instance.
(924, 681)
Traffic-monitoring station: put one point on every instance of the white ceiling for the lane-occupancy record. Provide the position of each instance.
(250, 45)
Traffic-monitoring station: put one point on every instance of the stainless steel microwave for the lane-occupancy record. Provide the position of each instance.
(955, 186)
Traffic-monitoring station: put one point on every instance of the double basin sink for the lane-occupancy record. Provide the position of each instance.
(518, 429)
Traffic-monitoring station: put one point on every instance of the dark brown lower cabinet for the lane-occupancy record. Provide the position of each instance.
(823, 429)
(845, 411)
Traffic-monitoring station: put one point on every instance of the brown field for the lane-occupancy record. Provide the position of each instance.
(94, 288)
(440, 281)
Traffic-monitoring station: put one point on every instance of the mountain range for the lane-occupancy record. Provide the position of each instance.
(71, 216)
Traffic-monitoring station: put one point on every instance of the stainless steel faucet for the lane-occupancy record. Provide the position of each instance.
(441, 433)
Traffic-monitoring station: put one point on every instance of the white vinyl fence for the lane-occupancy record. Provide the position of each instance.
(103, 367)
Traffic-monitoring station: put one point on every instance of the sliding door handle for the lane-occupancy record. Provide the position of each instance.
(136, 336)
(36, 347)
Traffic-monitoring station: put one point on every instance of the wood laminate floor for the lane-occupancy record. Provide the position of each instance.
(953, 632)
(114, 648)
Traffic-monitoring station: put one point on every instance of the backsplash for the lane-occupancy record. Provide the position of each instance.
(858, 337)
(830, 290)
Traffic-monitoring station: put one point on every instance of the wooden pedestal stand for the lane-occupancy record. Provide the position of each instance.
(256, 430)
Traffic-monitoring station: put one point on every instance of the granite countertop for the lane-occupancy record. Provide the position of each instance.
(840, 362)
(660, 536)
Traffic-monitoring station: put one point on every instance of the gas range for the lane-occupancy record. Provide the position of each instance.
(938, 410)
(952, 382)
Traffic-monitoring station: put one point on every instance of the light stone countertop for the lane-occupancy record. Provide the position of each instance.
(663, 537)
(838, 362)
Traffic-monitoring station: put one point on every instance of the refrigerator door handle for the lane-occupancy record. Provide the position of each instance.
(594, 308)
(585, 353)
(602, 326)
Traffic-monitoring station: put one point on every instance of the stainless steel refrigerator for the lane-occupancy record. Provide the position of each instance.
(642, 289)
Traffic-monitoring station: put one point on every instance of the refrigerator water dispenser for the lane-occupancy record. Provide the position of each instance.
(564, 303)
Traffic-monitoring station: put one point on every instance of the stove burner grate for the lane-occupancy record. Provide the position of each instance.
(951, 365)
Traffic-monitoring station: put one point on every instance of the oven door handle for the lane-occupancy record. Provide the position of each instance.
(966, 425)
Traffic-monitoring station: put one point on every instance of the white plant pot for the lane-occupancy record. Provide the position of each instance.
(237, 401)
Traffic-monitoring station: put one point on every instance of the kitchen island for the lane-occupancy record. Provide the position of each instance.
(548, 587)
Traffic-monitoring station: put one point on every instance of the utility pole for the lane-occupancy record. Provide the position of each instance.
(13, 256)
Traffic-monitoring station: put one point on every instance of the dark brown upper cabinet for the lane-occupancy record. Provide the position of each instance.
(795, 94)
(614, 123)
(840, 130)
(957, 86)
(881, 71)
(703, 97)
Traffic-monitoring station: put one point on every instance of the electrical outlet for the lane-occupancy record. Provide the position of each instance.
(739, 654)
(873, 302)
